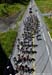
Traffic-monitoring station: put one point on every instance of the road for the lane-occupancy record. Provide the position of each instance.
(44, 49)
(43, 63)
(47, 14)
(20, 31)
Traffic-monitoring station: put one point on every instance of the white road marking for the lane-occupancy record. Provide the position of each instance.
(44, 37)
(45, 41)
(49, 55)
(50, 59)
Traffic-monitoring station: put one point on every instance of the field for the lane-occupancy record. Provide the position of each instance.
(46, 7)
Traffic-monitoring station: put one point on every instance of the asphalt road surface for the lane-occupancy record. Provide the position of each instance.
(43, 63)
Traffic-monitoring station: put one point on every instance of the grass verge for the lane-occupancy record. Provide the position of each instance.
(7, 40)
(48, 22)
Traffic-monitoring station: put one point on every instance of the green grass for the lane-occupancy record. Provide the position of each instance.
(7, 40)
(44, 5)
(48, 21)
(10, 9)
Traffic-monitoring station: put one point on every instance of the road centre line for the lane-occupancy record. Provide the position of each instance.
(33, 56)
